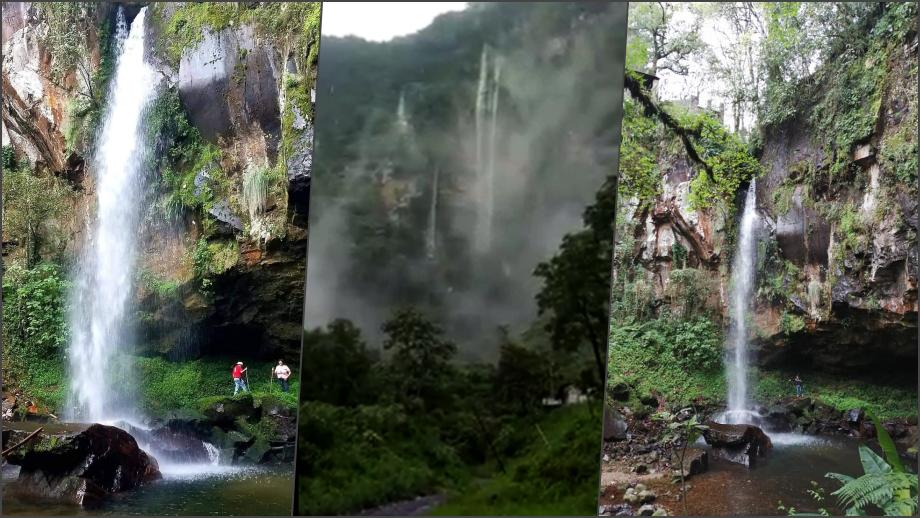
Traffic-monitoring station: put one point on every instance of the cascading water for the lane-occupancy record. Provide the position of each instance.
(487, 105)
(432, 234)
(103, 282)
(402, 119)
(742, 281)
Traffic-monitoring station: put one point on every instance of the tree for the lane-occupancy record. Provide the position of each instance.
(521, 374)
(420, 357)
(576, 282)
(668, 44)
(30, 202)
(336, 364)
(683, 429)
(68, 25)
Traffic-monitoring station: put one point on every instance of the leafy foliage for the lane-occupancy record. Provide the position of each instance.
(32, 203)
(35, 330)
(420, 357)
(885, 484)
(575, 293)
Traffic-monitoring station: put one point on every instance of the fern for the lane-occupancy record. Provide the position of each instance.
(885, 484)
(883, 490)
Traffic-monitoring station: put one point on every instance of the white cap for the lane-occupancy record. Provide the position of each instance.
(239, 363)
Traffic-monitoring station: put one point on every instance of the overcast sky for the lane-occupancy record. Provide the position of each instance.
(381, 21)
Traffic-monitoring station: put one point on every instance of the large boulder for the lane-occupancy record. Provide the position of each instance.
(614, 425)
(739, 443)
(85, 467)
(224, 411)
(696, 461)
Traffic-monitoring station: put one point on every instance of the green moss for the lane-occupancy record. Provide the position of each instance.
(791, 323)
(898, 152)
(842, 393)
(163, 288)
(291, 25)
(213, 258)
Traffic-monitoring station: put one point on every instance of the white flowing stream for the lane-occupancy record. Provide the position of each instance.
(740, 293)
(100, 382)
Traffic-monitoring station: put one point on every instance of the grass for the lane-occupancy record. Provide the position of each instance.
(169, 387)
(555, 473)
(842, 393)
(683, 386)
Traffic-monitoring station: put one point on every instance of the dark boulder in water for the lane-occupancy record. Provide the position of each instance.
(739, 443)
(83, 468)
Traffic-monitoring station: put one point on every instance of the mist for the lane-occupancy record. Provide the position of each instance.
(453, 165)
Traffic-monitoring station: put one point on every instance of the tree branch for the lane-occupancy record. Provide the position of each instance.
(636, 90)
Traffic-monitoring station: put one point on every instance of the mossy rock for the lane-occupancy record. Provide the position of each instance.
(257, 452)
(223, 411)
(272, 405)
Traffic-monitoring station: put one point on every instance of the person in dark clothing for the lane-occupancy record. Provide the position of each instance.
(798, 385)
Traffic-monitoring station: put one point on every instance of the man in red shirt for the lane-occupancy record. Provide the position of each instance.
(238, 382)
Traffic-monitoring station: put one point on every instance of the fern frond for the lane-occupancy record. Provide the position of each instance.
(887, 491)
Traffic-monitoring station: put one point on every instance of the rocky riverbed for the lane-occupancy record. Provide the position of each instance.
(811, 438)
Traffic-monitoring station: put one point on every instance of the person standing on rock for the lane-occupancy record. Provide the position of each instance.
(282, 372)
(238, 383)
(798, 385)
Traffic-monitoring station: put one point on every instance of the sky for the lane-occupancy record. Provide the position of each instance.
(381, 21)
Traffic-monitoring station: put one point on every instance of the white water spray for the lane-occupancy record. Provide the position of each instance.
(103, 282)
(740, 291)
(487, 105)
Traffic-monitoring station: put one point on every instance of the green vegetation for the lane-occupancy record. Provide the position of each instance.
(33, 203)
(178, 388)
(678, 359)
(414, 421)
(191, 176)
(886, 402)
(210, 258)
(67, 40)
(791, 323)
(35, 331)
(885, 483)
(820, 69)
(554, 471)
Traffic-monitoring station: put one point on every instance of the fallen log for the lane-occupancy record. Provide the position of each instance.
(20, 443)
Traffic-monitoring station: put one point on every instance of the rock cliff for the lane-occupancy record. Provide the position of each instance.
(837, 254)
(222, 269)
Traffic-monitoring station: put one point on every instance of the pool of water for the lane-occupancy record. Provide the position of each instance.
(784, 476)
(191, 490)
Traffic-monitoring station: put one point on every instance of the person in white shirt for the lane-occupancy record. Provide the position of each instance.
(282, 372)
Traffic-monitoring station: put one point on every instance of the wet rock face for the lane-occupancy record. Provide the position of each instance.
(86, 467)
(738, 443)
(228, 81)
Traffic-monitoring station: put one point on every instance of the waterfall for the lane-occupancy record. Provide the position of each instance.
(104, 276)
(486, 113)
(402, 120)
(432, 234)
(740, 293)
